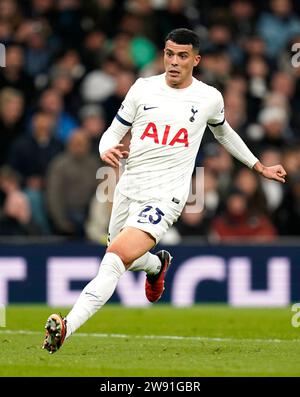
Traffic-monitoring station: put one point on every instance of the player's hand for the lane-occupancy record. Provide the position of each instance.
(275, 172)
(113, 155)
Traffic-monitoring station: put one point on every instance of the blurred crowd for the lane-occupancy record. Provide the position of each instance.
(69, 64)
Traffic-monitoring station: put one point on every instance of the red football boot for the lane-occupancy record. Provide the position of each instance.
(155, 285)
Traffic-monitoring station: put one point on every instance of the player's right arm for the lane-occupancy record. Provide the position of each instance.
(113, 155)
(111, 151)
(110, 148)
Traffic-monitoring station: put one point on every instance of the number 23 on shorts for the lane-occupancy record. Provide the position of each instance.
(150, 215)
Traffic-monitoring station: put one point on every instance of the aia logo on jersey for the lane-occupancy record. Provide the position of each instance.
(181, 136)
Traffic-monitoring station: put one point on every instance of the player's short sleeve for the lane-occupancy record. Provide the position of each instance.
(128, 109)
(217, 116)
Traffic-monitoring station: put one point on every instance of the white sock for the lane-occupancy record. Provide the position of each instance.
(96, 293)
(148, 262)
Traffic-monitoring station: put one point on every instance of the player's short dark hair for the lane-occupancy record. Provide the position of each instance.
(184, 36)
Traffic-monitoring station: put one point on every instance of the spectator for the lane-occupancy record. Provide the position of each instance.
(235, 112)
(194, 224)
(69, 62)
(250, 184)
(155, 67)
(11, 120)
(100, 207)
(6, 32)
(121, 51)
(242, 19)
(112, 104)
(97, 86)
(291, 159)
(11, 13)
(31, 154)
(63, 83)
(71, 185)
(95, 49)
(220, 41)
(14, 76)
(93, 123)
(237, 224)
(257, 70)
(274, 124)
(51, 102)
(103, 12)
(287, 217)
(40, 47)
(97, 221)
(16, 218)
(217, 161)
(273, 192)
(278, 25)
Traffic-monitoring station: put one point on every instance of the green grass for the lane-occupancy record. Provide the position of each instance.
(245, 347)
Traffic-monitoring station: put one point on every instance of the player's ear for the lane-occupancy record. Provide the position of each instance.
(197, 60)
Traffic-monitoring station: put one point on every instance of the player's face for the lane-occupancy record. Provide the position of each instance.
(179, 60)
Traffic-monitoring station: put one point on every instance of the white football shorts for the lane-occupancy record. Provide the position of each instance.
(153, 217)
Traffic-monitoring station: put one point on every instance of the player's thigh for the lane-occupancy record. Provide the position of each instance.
(130, 244)
(119, 214)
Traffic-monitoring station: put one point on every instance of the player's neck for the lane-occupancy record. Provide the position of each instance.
(180, 85)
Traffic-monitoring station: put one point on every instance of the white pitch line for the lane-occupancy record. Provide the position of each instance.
(166, 337)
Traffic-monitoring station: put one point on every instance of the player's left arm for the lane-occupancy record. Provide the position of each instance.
(276, 172)
(234, 144)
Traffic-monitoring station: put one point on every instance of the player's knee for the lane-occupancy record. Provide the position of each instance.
(123, 256)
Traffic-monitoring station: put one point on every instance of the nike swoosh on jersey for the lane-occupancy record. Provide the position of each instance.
(150, 107)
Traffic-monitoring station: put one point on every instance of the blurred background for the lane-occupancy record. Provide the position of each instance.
(69, 64)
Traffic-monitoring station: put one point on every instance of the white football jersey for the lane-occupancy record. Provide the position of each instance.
(167, 126)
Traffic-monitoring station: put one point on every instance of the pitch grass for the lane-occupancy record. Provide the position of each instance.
(245, 348)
